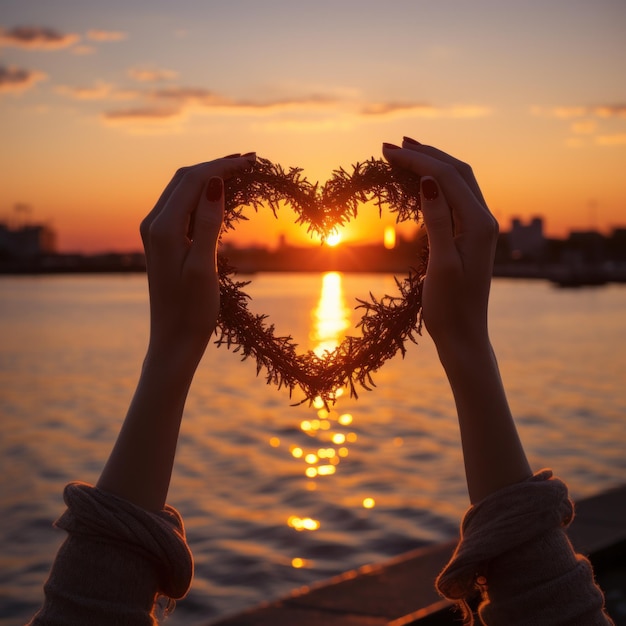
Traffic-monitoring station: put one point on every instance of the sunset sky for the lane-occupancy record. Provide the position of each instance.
(100, 102)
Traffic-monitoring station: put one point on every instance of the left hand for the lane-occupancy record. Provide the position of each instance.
(180, 237)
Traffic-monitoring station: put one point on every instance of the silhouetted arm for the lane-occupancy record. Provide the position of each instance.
(462, 236)
(513, 547)
(124, 545)
(184, 303)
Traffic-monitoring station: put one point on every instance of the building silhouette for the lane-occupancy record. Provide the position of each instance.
(26, 242)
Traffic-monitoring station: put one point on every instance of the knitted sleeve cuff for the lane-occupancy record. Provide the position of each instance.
(159, 537)
(502, 521)
(513, 549)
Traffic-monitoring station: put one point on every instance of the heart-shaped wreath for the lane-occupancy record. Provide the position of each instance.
(386, 323)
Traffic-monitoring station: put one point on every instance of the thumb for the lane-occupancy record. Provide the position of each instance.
(209, 216)
(437, 218)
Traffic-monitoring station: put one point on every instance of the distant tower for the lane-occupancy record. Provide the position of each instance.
(527, 241)
(23, 212)
(26, 241)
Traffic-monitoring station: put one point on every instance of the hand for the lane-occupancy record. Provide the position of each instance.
(462, 236)
(180, 236)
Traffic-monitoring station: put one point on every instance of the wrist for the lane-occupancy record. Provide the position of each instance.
(461, 359)
(175, 362)
(459, 347)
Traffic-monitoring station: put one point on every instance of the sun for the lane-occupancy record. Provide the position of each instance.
(333, 239)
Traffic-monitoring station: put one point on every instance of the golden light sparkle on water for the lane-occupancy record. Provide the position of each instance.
(326, 470)
(303, 523)
(318, 403)
(338, 438)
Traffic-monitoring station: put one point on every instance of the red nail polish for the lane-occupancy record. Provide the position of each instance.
(214, 189)
(232, 156)
(430, 191)
(411, 141)
(390, 146)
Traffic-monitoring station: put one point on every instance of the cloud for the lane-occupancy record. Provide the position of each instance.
(389, 108)
(190, 95)
(145, 120)
(611, 110)
(100, 90)
(306, 112)
(599, 121)
(16, 79)
(83, 50)
(36, 38)
(565, 113)
(571, 112)
(176, 101)
(618, 139)
(106, 35)
(144, 75)
(422, 109)
(207, 99)
(584, 127)
(142, 114)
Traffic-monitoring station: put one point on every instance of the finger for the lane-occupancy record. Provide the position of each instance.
(467, 209)
(208, 218)
(146, 223)
(464, 169)
(183, 200)
(439, 225)
(223, 168)
(167, 192)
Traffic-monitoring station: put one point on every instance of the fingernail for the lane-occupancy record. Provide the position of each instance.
(232, 156)
(390, 146)
(412, 141)
(214, 189)
(430, 190)
(251, 156)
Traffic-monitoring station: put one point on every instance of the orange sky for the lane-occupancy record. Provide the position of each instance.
(99, 105)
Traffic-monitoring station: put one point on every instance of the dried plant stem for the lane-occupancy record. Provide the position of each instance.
(386, 323)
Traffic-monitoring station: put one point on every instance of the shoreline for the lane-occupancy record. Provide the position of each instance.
(560, 274)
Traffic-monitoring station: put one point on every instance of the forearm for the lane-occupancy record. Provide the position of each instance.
(140, 465)
(492, 450)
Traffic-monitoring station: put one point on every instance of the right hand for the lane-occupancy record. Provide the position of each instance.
(462, 236)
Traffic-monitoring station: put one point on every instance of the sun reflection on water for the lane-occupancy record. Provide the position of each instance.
(331, 317)
(325, 435)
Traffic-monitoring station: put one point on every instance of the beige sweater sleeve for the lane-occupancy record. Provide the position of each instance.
(515, 552)
(116, 561)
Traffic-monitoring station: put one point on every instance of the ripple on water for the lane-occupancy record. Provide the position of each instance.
(72, 348)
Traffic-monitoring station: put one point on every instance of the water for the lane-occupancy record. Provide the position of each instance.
(70, 352)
